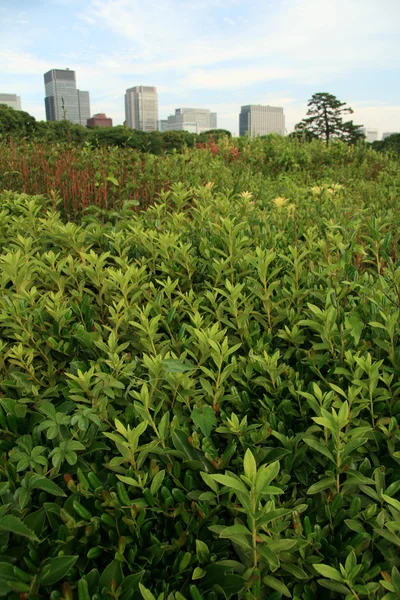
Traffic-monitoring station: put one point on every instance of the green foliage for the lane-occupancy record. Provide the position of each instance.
(201, 399)
(389, 144)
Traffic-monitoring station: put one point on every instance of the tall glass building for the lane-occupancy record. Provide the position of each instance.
(63, 100)
(141, 108)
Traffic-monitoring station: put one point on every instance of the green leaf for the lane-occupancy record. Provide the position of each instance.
(198, 573)
(265, 475)
(277, 585)
(319, 448)
(329, 572)
(14, 525)
(54, 569)
(392, 501)
(157, 482)
(147, 595)
(324, 484)
(132, 581)
(335, 586)
(174, 365)
(112, 571)
(228, 532)
(231, 482)
(202, 551)
(7, 572)
(250, 466)
(42, 483)
(204, 419)
(295, 570)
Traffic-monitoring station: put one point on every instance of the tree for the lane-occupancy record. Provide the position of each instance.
(389, 144)
(324, 120)
(16, 123)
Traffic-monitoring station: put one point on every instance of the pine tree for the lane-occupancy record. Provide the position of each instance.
(324, 120)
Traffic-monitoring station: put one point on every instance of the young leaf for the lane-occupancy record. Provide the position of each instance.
(147, 595)
(265, 475)
(250, 466)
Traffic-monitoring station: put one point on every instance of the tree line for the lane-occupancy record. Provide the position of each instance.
(324, 120)
(18, 124)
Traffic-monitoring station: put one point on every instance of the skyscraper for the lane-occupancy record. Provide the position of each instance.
(11, 100)
(63, 100)
(255, 120)
(194, 120)
(141, 108)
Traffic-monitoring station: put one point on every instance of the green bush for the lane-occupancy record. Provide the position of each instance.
(201, 400)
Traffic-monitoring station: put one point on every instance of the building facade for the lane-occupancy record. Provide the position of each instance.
(194, 120)
(162, 125)
(141, 108)
(387, 134)
(371, 135)
(99, 120)
(255, 120)
(63, 100)
(11, 100)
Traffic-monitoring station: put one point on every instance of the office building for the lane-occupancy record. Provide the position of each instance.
(255, 120)
(194, 120)
(11, 100)
(371, 135)
(99, 120)
(162, 125)
(141, 108)
(385, 135)
(63, 100)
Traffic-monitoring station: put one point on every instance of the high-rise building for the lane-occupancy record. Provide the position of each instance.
(387, 134)
(255, 120)
(194, 120)
(63, 100)
(371, 135)
(11, 100)
(99, 120)
(162, 125)
(141, 108)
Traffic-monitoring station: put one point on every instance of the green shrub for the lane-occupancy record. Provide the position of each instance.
(201, 399)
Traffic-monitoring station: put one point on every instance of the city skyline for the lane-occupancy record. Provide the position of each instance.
(206, 53)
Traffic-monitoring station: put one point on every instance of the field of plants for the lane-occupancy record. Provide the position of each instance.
(199, 372)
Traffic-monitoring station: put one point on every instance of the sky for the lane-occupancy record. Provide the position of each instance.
(216, 54)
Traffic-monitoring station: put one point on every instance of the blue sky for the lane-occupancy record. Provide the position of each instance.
(216, 54)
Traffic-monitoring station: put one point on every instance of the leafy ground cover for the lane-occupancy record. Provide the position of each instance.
(201, 399)
(77, 177)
